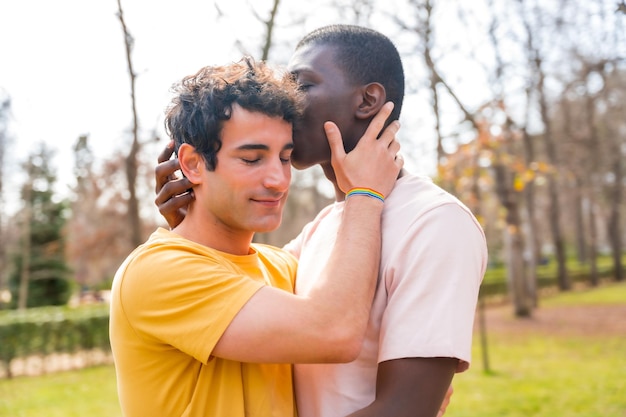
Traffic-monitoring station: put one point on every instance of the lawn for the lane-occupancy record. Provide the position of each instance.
(86, 393)
(573, 367)
(536, 370)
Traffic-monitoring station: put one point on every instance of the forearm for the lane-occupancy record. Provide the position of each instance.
(411, 387)
(342, 297)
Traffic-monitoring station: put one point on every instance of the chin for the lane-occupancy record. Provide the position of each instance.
(268, 226)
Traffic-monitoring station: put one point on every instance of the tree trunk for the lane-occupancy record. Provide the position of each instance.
(514, 244)
(557, 235)
(22, 299)
(593, 244)
(555, 210)
(516, 272)
(615, 231)
(131, 160)
(534, 249)
(579, 213)
(5, 106)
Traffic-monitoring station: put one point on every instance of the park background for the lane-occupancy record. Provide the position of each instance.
(515, 106)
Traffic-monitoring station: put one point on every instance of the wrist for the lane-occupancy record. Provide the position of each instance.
(365, 192)
(362, 205)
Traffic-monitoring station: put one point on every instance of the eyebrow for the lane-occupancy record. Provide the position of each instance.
(261, 147)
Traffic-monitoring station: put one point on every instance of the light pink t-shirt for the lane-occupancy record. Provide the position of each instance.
(433, 259)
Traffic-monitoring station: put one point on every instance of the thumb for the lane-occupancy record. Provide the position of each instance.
(334, 140)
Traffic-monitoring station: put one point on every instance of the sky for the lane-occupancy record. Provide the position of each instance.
(63, 64)
(64, 68)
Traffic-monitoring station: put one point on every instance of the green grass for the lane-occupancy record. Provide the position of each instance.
(497, 273)
(545, 377)
(535, 375)
(604, 295)
(548, 376)
(89, 392)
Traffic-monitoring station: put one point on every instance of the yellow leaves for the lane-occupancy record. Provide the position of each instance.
(518, 184)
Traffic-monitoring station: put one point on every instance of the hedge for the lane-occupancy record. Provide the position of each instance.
(45, 330)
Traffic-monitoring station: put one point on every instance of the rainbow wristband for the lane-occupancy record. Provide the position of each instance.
(365, 191)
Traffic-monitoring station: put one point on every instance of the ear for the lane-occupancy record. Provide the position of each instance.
(191, 163)
(373, 96)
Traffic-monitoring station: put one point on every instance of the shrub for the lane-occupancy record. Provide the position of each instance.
(46, 330)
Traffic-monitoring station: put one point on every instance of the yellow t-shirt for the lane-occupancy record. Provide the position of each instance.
(171, 301)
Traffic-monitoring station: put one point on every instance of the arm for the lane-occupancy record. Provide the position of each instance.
(415, 387)
(429, 318)
(328, 323)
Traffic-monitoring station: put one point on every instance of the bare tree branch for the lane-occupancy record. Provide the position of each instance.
(131, 159)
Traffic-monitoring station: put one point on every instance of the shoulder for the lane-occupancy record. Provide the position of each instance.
(418, 192)
(417, 202)
(165, 250)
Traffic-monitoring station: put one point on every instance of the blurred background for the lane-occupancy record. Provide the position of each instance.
(517, 107)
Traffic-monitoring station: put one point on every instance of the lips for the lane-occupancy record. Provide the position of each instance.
(270, 202)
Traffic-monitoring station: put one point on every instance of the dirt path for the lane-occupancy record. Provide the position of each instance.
(583, 320)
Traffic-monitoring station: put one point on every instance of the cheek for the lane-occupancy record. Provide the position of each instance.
(316, 108)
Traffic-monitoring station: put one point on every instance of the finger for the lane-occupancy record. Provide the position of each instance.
(394, 148)
(334, 140)
(174, 204)
(166, 154)
(399, 161)
(378, 122)
(389, 134)
(172, 189)
(164, 172)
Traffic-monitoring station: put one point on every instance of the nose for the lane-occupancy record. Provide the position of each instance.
(277, 176)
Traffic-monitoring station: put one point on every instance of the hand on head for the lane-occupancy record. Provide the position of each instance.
(374, 163)
(173, 194)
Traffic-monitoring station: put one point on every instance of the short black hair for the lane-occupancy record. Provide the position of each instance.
(366, 56)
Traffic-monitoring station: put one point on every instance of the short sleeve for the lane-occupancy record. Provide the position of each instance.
(432, 282)
(183, 299)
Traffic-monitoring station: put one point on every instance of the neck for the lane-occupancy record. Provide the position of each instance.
(214, 234)
(329, 173)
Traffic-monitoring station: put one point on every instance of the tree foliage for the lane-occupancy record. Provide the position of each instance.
(5, 106)
(40, 274)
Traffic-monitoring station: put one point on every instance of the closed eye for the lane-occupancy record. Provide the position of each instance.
(285, 156)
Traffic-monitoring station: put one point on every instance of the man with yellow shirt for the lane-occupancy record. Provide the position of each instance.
(205, 323)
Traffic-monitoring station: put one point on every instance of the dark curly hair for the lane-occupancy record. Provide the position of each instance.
(203, 101)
